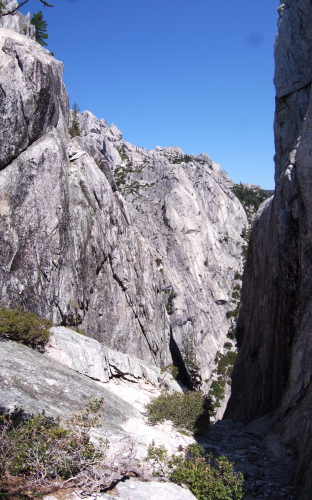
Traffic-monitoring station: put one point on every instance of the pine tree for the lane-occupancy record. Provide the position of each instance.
(74, 130)
(41, 27)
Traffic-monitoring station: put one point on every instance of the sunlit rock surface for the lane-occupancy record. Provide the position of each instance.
(138, 248)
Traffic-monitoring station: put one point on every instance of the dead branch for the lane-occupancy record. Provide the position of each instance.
(46, 4)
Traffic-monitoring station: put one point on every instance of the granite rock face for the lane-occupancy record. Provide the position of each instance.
(273, 369)
(139, 248)
(68, 251)
(34, 383)
(184, 209)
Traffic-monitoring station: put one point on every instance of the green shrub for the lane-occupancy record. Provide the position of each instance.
(36, 450)
(217, 389)
(24, 327)
(226, 362)
(232, 314)
(238, 276)
(174, 370)
(228, 345)
(208, 478)
(236, 295)
(231, 333)
(187, 411)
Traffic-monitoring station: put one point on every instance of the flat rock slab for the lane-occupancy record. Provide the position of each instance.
(136, 490)
(35, 383)
(133, 490)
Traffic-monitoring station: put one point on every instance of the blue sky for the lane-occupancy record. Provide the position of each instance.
(196, 74)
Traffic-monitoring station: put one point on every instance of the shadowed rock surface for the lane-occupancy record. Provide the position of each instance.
(273, 369)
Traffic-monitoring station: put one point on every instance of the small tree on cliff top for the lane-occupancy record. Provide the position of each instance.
(41, 27)
(74, 129)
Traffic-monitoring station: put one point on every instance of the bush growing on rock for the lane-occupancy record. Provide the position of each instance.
(208, 478)
(24, 327)
(188, 411)
(38, 452)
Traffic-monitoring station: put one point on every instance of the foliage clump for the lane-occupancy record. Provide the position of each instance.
(181, 159)
(250, 196)
(189, 411)
(208, 478)
(38, 450)
(226, 362)
(74, 129)
(24, 327)
(174, 370)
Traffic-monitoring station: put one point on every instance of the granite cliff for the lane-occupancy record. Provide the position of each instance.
(273, 368)
(138, 248)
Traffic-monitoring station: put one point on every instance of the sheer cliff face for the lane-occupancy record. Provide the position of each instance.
(137, 247)
(273, 369)
(67, 251)
(185, 210)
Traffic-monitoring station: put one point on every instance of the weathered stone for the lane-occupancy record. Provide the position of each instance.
(265, 463)
(184, 208)
(34, 383)
(68, 251)
(135, 490)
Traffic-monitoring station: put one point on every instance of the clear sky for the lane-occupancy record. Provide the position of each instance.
(197, 74)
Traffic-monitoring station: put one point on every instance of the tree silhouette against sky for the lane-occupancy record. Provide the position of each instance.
(41, 28)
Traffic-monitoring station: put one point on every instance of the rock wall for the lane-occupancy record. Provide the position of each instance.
(67, 250)
(139, 248)
(185, 210)
(273, 369)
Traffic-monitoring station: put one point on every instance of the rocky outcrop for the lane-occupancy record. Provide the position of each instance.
(98, 362)
(34, 383)
(139, 248)
(268, 467)
(273, 370)
(17, 21)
